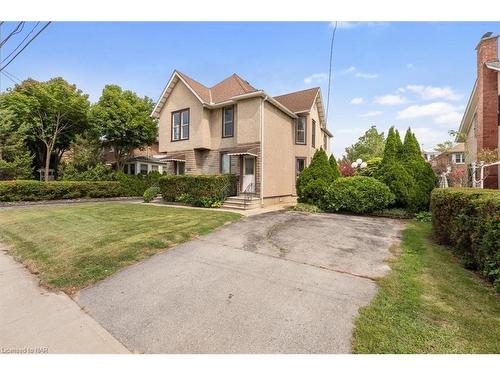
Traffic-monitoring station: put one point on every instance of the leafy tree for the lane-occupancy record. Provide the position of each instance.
(86, 152)
(124, 121)
(443, 147)
(54, 112)
(15, 158)
(334, 165)
(368, 146)
(315, 177)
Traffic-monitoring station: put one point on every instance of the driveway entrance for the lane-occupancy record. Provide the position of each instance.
(280, 282)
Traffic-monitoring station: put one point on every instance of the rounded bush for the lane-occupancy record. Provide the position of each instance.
(151, 193)
(357, 194)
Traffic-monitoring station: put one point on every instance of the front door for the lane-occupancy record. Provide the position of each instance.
(248, 174)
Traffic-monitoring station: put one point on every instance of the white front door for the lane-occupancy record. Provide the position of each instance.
(248, 174)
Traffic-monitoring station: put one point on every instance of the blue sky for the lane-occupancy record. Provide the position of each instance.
(416, 74)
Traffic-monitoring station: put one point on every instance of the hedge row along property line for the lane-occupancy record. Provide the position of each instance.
(469, 221)
(198, 190)
(17, 191)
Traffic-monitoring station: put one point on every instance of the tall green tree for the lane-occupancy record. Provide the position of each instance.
(334, 166)
(393, 173)
(421, 171)
(369, 145)
(313, 179)
(54, 112)
(15, 157)
(124, 122)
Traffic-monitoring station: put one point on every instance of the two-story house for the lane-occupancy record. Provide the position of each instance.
(232, 127)
(481, 120)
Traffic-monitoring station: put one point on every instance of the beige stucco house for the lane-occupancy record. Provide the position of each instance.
(232, 127)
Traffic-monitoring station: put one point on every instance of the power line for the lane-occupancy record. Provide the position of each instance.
(330, 71)
(19, 45)
(17, 30)
(26, 45)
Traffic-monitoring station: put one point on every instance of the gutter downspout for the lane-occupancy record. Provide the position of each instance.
(262, 151)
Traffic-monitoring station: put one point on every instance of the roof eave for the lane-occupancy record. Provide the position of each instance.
(463, 128)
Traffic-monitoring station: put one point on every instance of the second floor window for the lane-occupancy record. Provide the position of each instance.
(228, 121)
(459, 158)
(180, 125)
(300, 131)
(313, 142)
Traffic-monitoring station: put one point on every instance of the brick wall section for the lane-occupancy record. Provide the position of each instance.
(209, 161)
(487, 108)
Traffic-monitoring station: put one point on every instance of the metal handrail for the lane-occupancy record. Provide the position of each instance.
(248, 193)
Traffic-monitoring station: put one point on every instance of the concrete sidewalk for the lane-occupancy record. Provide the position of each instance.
(34, 320)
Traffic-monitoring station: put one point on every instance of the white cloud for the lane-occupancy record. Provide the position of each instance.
(359, 74)
(389, 99)
(429, 137)
(357, 101)
(371, 114)
(410, 66)
(366, 75)
(443, 113)
(434, 92)
(352, 25)
(452, 119)
(316, 77)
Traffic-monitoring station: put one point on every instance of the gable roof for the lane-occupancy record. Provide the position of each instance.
(223, 91)
(299, 101)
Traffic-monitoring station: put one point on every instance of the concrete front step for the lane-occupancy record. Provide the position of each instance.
(239, 203)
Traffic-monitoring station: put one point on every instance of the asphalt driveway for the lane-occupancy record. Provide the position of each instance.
(281, 282)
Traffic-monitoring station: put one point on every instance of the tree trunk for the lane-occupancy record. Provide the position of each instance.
(47, 163)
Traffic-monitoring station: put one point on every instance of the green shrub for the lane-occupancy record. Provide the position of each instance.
(424, 216)
(198, 189)
(469, 221)
(314, 191)
(99, 172)
(334, 166)
(151, 193)
(394, 213)
(306, 207)
(16, 191)
(372, 167)
(356, 194)
(318, 169)
(399, 181)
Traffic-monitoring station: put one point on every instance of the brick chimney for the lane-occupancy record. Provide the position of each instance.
(487, 107)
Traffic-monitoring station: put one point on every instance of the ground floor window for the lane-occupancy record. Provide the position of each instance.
(180, 167)
(225, 163)
(132, 168)
(144, 169)
(154, 168)
(300, 165)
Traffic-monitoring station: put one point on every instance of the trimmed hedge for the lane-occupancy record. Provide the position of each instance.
(469, 221)
(198, 190)
(19, 190)
(356, 194)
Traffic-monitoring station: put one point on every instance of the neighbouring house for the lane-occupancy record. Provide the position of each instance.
(429, 155)
(235, 128)
(480, 122)
(453, 162)
(140, 161)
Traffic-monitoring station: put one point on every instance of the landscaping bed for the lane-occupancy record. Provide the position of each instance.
(71, 247)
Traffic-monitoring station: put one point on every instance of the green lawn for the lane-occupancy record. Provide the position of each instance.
(429, 304)
(71, 247)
